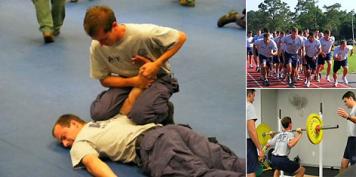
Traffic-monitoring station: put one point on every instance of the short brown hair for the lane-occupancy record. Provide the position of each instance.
(96, 17)
(286, 121)
(64, 121)
(250, 91)
(349, 94)
(294, 29)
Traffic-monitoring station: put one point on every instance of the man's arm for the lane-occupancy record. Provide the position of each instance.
(295, 140)
(136, 81)
(96, 167)
(342, 113)
(251, 129)
(130, 100)
(149, 70)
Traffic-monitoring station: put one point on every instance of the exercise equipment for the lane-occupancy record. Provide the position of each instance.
(261, 129)
(314, 129)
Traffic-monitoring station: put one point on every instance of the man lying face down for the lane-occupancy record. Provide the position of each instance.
(171, 150)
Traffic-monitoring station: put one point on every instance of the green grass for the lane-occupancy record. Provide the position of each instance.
(352, 62)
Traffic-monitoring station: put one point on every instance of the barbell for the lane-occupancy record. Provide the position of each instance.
(314, 129)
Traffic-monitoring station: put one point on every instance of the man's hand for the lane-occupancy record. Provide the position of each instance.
(299, 130)
(323, 54)
(149, 68)
(96, 167)
(342, 113)
(261, 155)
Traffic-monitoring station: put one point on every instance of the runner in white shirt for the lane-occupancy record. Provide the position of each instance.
(327, 43)
(340, 60)
(312, 50)
(280, 47)
(293, 47)
(249, 46)
(255, 52)
(267, 48)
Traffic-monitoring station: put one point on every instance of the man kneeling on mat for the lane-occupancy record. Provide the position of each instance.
(282, 143)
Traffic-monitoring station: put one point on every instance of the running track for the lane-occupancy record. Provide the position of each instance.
(253, 81)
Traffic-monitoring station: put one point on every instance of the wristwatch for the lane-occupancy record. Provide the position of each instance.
(349, 117)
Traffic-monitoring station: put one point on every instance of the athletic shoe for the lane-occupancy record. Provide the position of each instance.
(291, 85)
(189, 3)
(308, 84)
(266, 83)
(258, 69)
(281, 76)
(345, 80)
(328, 79)
(335, 83)
(251, 66)
(230, 17)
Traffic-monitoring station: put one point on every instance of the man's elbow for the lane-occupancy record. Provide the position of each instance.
(290, 145)
(104, 82)
(251, 132)
(182, 37)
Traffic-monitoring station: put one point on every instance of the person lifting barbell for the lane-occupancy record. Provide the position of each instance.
(314, 129)
(283, 142)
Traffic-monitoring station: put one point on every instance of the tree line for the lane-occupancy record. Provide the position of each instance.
(276, 15)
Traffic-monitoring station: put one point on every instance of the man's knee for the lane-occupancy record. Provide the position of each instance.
(97, 112)
(300, 171)
(147, 114)
(108, 103)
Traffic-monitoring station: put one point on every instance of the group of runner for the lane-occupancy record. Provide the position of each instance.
(289, 55)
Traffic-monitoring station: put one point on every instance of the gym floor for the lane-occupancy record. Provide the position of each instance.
(309, 172)
(39, 82)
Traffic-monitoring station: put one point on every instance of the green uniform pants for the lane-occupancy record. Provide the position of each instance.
(50, 14)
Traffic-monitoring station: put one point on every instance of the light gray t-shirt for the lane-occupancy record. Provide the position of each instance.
(114, 138)
(147, 40)
(265, 49)
(280, 143)
(250, 114)
(326, 44)
(351, 125)
(312, 48)
(342, 53)
(292, 46)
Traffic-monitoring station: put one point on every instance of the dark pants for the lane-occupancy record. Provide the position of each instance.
(291, 58)
(311, 64)
(338, 64)
(284, 164)
(150, 106)
(350, 150)
(252, 157)
(177, 151)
